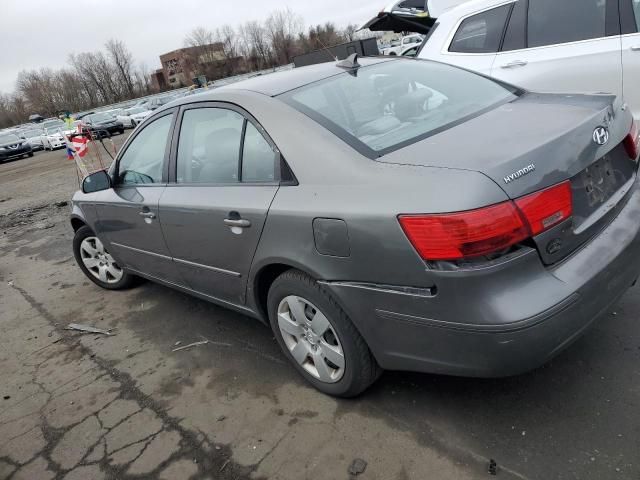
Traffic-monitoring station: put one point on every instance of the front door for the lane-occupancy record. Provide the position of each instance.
(128, 215)
(631, 57)
(213, 213)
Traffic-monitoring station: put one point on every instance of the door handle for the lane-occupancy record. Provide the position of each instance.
(635, 48)
(149, 215)
(515, 64)
(241, 222)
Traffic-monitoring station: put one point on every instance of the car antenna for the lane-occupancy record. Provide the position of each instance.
(350, 62)
(326, 49)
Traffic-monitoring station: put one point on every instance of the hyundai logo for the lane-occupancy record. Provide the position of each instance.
(601, 135)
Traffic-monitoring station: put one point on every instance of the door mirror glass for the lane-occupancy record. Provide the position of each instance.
(96, 182)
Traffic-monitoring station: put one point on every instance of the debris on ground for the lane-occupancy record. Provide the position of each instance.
(177, 343)
(357, 467)
(87, 329)
(224, 465)
(194, 344)
(7, 397)
(221, 418)
(61, 204)
(493, 467)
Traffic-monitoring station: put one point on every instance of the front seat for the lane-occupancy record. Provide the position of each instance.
(220, 162)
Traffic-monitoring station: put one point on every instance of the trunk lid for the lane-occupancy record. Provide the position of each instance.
(539, 141)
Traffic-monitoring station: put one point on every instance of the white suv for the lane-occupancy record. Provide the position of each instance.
(542, 45)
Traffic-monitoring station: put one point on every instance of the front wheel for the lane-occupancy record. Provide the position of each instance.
(96, 262)
(318, 337)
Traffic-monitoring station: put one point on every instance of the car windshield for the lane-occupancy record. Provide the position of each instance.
(9, 138)
(100, 117)
(386, 106)
(133, 111)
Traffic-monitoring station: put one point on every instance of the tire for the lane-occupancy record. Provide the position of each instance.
(360, 368)
(121, 132)
(110, 282)
(133, 124)
(30, 154)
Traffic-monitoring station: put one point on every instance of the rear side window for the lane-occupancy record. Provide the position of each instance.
(553, 22)
(481, 33)
(209, 146)
(218, 145)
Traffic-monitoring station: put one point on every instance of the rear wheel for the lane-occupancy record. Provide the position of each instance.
(318, 337)
(96, 262)
(30, 154)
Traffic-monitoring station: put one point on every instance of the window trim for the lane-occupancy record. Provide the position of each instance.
(173, 158)
(629, 24)
(165, 163)
(454, 31)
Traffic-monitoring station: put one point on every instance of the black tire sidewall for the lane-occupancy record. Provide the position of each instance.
(83, 232)
(350, 383)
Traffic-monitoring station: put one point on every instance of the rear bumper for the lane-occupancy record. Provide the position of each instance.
(502, 324)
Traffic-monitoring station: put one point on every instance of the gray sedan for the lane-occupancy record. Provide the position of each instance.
(379, 213)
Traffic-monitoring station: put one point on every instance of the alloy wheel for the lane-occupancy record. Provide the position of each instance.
(311, 339)
(99, 262)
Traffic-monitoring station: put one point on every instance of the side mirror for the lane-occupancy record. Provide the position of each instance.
(96, 182)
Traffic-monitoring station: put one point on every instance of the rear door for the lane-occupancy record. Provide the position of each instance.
(128, 213)
(630, 10)
(563, 46)
(224, 178)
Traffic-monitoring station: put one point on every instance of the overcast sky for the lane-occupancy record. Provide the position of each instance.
(42, 33)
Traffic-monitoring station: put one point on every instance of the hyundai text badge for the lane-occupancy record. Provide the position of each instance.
(601, 135)
(520, 173)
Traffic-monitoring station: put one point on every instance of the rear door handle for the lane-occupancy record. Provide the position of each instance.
(515, 64)
(241, 222)
(635, 48)
(150, 215)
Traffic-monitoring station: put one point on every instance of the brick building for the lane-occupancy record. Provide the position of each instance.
(179, 67)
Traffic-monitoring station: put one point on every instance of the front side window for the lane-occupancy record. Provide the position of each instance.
(394, 103)
(481, 33)
(636, 10)
(209, 146)
(553, 22)
(142, 162)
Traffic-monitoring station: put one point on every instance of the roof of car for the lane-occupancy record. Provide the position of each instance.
(276, 83)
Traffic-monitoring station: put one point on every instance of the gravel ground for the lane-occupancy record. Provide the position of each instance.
(125, 406)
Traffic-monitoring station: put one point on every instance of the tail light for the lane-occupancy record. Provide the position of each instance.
(632, 142)
(474, 233)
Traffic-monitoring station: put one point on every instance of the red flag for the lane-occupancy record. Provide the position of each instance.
(80, 145)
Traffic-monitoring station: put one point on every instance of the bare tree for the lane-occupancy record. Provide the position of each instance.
(257, 48)
(122, 62)
(198, 37)
(283, 28)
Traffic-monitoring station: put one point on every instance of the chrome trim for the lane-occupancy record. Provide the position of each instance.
(207, 267)
(394, 289)
(126, 247)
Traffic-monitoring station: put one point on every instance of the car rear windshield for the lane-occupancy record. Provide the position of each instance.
(386, 106)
